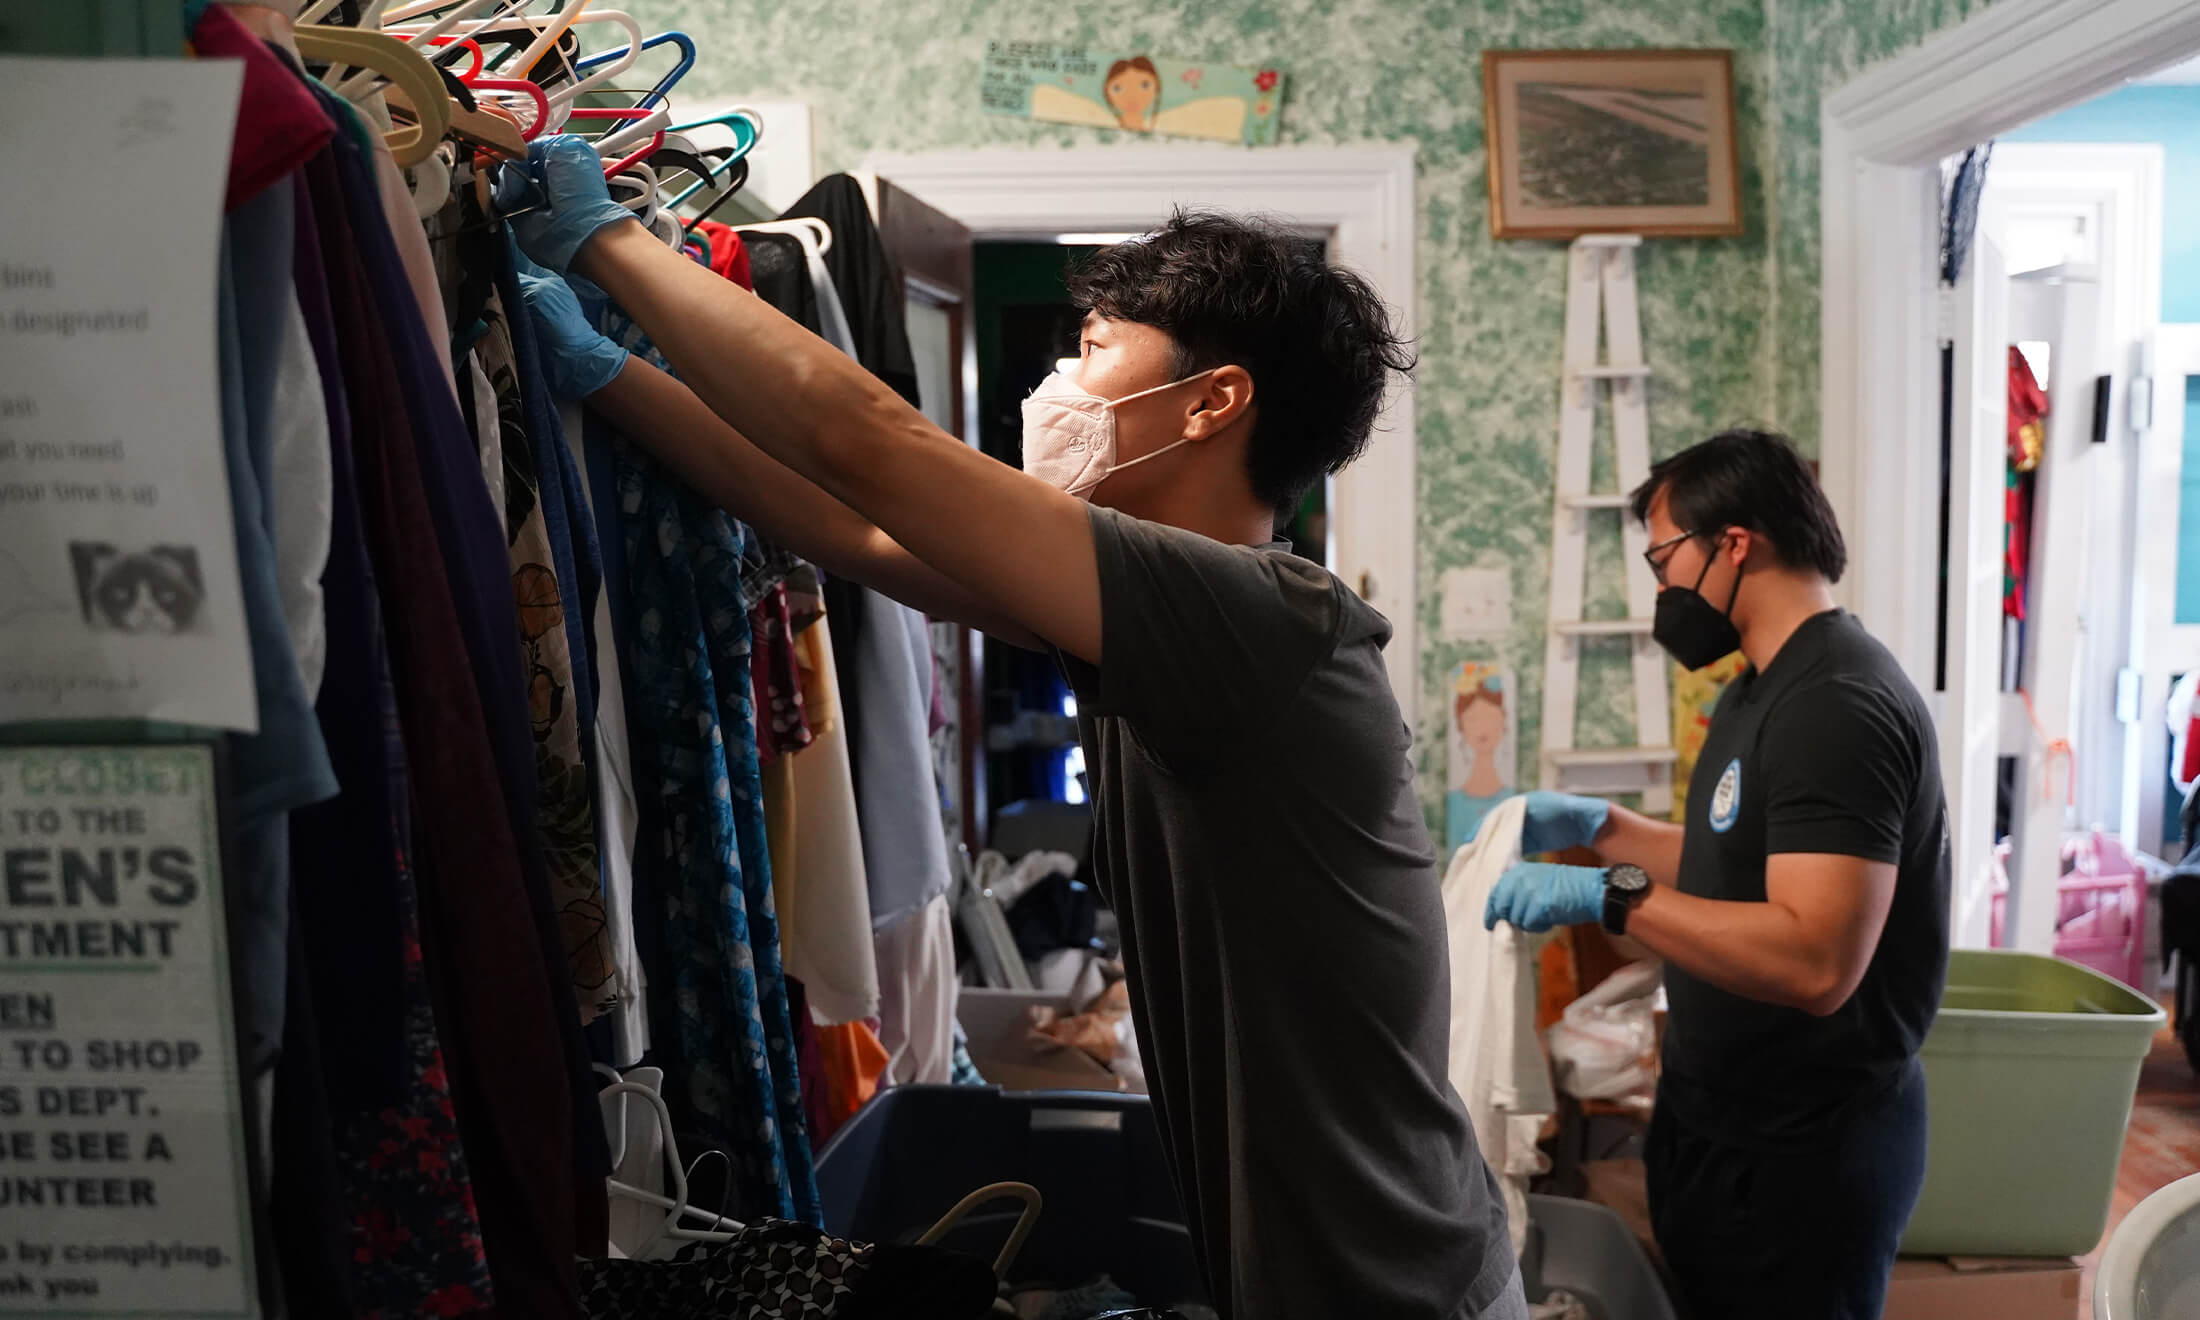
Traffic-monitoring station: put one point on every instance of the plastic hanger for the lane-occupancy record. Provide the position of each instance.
(739, 176)
(656, 95)
(407, 69)
(812, 231)
(748, 130)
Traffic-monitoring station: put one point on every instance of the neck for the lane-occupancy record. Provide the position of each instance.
(1787, 601)
(1232, 521)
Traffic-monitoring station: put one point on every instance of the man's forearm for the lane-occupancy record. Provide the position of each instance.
(1636, 839)
(666, 418)
(823, 415)
(1760, 951)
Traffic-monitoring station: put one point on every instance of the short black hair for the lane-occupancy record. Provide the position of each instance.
(1752, 479)
(1236, 290)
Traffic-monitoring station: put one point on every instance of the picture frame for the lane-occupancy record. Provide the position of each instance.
(1612, 142)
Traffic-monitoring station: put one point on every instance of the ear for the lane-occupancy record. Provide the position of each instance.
(1226, 396)
(1742, 546)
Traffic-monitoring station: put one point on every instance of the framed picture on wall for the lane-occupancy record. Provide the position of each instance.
(1612, 142)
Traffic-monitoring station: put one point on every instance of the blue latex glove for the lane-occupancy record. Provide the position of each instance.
(1561, 820)
(1535, 896)
(569, 205)
(578, 360)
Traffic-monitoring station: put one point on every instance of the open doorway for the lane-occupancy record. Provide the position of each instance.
(2044, 689)
(1019, 216)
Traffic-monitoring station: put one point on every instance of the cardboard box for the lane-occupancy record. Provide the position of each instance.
(1923, 1288)
(1980, 1288)
(998, 1025)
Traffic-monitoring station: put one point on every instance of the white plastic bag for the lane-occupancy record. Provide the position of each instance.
(1605, 1047)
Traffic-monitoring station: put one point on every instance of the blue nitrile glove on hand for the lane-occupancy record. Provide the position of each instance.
(1535, 896)
(571, 202)
(1556, 821)
(578, 360)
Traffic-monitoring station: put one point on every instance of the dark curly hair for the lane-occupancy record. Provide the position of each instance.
(1237, 290)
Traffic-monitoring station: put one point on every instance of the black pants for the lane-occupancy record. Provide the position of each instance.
(1804, 1235)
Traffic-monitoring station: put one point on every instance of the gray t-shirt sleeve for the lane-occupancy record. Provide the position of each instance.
(1197, 638)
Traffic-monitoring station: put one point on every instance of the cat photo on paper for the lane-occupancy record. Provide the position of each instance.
(150, 592)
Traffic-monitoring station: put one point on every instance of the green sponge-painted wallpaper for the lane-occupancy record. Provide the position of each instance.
(1730, 325)
(1816, 47)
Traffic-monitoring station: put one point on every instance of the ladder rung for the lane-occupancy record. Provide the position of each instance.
(1613, 501)
(1603, 627)
(1609, 373)
(1583, 757)
(1609, 241)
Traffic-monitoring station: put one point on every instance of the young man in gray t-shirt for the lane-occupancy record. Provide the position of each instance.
(1258, 831)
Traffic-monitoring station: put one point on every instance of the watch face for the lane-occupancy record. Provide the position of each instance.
(1628, 879)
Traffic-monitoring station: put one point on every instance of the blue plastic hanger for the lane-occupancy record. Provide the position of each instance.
(656, 95)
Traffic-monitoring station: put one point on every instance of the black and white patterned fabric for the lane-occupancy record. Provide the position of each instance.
(778, 1270)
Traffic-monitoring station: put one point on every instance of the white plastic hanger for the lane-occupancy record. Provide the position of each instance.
(670, 1229)
(816, 235)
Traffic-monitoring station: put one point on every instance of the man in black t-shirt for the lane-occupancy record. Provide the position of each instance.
(1801, 908)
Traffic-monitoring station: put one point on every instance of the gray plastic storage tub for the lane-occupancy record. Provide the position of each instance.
(1588, 1251)
(1110, 1205)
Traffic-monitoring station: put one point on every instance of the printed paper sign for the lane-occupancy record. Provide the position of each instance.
(122, 1156)
(118, 564)
(1485, 748)
(1132, 90)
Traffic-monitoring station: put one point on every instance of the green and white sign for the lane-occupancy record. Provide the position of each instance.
(123, 1175)
(1132, 90)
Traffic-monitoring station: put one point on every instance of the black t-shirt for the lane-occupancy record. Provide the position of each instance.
(1829, 750)
(1258, 834)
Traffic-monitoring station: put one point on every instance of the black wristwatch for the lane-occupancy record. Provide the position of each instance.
(1624, 887)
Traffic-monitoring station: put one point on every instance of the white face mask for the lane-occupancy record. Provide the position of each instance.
(1069, 435)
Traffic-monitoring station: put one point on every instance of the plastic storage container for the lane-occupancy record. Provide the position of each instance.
(2029, 1076)
(1588, 1251)
(1110, 1205)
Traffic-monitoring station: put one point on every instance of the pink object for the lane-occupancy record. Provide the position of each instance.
(2101, 918)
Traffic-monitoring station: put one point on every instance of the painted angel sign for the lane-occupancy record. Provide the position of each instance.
(1131, 91)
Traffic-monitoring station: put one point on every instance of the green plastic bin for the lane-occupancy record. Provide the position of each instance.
(2029, 1074)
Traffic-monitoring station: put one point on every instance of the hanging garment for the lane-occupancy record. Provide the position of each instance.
(729, 256)
(1497, 1064)
(855, 1062)
(722, 1024)
(280, 126)
(869, 295)
(829, 895)
(556, 694)
(616, 813)
(414, 1240)
(285, 764)
(916, 972)
(775, 1270)
(782, 726)
(501, 1028)
(2027, 445)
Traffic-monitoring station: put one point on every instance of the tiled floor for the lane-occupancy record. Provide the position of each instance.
(2162, 1144)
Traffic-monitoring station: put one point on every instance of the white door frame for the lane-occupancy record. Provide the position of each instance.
(1881, 138)
(1360, 197)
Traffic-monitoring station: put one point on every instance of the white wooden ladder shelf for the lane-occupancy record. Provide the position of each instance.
(1600, 293)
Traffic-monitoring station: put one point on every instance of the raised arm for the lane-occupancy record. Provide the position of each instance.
(1021, 549)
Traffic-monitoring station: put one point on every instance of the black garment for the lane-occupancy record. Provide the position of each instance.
(777, 1270)
(1829, 750)
(781, 275)
(1056, 913)
(1258, 833)
(870, 293)
(1803, 1234)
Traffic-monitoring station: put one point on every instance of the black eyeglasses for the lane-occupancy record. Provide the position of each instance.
(1657, 562)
